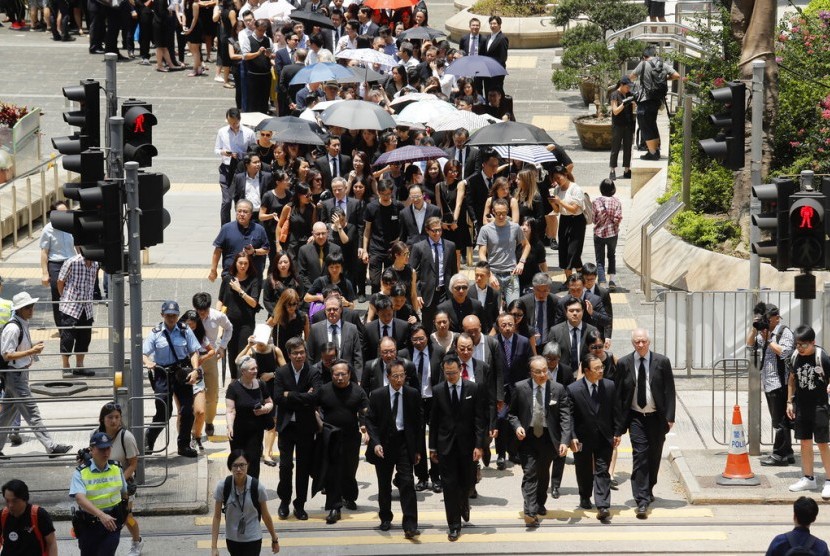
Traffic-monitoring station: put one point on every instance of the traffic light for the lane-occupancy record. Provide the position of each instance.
(728, 146)
(807, 230)
(87, 118)
(89, 164)
(775, 220)
(138, 132)
(97, 226)
(154, 217)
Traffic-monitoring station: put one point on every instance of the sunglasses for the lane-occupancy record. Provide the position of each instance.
(113, 406)
(461, 288)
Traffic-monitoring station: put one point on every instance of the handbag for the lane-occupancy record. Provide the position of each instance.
(283, 231)
(181, 369)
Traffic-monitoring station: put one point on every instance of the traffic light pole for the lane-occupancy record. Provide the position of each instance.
(115, 131)
(756, 152)
(136, 354)
(110, 92)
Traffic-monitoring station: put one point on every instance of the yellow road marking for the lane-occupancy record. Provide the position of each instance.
(619, 298)
(521, 62)
(624, 323)
(551, 123)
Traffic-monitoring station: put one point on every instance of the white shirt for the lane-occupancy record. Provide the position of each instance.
(574, 195)
(482, 294)
(217, 319)
(236, 142)
(399, 416)
(252, 191)
(346, 43)
(457, 387)
(420, 215)
(650, 406)
(478, 350)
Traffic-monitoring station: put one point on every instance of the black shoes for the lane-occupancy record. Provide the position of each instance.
(603, 514)
(554, 493)
(59, 449)
(642, 510)
(614, 485)
(585, 503)
(421, 486)
(773, 461)
(282, 511)
(15, 440)
(209, 430)
(188, 452)
(612, 175)
(411, 534)
(500, 465)
(473, 493)
(350, 504)
(454, 533)
(541, 510)
(333, 517)
(627, 175)
(385, 525)
(301, 514)
(83, 372)
(465, 512)
(436, 487)
(651, 156)
(268, 462)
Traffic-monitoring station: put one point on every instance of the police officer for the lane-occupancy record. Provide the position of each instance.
(99, 487)
(170, 346)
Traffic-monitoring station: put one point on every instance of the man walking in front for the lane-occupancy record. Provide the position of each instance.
(497, 243)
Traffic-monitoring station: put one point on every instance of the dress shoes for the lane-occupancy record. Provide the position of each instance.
(454, 533)
(333, 517)
(301, 514)
(773, 461)
(15, 440)
(791, 459)
(282, 511)
(59, 449)
(554, 492)
(269, 462)
(603, 514)
(473, 493)
(411, 534)
(627, 175)
(642, 510)
(349, 504)
(385, 525)
(437, 488)
(210, 430)
(500, 465)
(541, 510)
(421, 486)
(614, 485)
(531, 520)
(465, 512)
(188, 452)
(585, 503)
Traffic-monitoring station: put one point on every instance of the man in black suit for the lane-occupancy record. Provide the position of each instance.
(433, 261)
(374, 371)
(261, 182)
(344, 335)
(394, 422)
(561, 373)
(294, 387)
(496, 48)
(515, 349)
(287, 54)
(540, 415)
(570, 335)
(334, 164)
(332, 36)
(460, 305)
(312, 5)
(415, 216)
(473, 44)
(368, 28)
(426, 355)
(466, 156)
(594, 307)
(596, 424)
(287, 92)
(479, 184)
(349, 205)
(589, 274)
(540, 308)
(486, 348)
(424, 69)
(385, 325)
(457, 437)
(328, 355)
(311, 255)
(647, 397)
(489, 297)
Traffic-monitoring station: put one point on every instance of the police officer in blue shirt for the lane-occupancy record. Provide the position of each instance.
(171, 352)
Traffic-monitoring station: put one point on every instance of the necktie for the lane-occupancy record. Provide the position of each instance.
(342, 206)
(575, 348)
(595, 395)
(421, 365)
(437, 264)
(641, 385)
(538, 415)
(320, 256)
(540, 317)
(464, 374)
(508, 355)
(292, 54)
(334, 339)
(334, 172)
(395, 409)
(487, 183)
(455, 395)
(473, 46)
(385, 330)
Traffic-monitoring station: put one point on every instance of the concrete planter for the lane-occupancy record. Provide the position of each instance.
(523, 32)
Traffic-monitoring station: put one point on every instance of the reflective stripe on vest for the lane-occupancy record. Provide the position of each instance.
(103, 488)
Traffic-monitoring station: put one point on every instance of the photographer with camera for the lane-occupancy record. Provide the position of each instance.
(775, 340)
(622, 126)
(171, 353)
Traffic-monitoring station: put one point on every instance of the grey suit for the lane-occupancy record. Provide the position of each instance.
(350, 348)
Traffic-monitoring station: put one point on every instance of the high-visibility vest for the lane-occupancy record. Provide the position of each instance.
(5, 311)
(103, 488)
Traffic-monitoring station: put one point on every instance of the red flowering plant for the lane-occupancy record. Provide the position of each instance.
(801, 130)
(10, 114)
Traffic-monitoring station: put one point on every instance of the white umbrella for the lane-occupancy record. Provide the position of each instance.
(425, 110)
(410, 125)
(460, 118)
(280, 10)
(410, 98)
(368, 56)
(534, 154)
(253, 119)
(357, 114)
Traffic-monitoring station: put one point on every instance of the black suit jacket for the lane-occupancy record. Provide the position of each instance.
(471, 163)
(598, 319)
(498, 50)
(561, 335)
(564, 374)
(294, 399)
(348, 315)
(557, 410)
(282, 59)
(373, 374)
(464, 428)
(354, 213)
(605, 295)
(372, 29)
(238, 188)
(411, 233)
(400, 331)
(589, 426)
(519, 366)
(660, 378)
(423, 263)
(491, 305)
(464, 43)
(308, 5)
(324, 166)
(492, 385)
(350, 346)
(380, 423)
(436, 354)
(469, 307)
(477, 193)
(528, 301)
(308, 262)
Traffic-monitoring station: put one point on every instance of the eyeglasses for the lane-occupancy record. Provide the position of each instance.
(265, 134)
(461, 288)
(596, 346)
(435, 231)
(398, 376)
(297, 353)
(292, 304)
(802, 345)
(332, 309)
(239, 465)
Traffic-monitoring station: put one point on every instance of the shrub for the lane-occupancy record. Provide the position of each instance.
(703, 230)
(511, 8)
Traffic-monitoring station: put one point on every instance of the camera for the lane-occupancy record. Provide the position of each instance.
(760, 321)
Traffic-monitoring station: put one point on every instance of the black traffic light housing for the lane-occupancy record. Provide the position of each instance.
(154, 217)
(97, 225)
(728, 147)
(808, 230)
(775, 220)
(87, 118)
(138, 132)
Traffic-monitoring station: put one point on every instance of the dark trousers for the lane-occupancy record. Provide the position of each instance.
(145, 33)
(112, 19)
(54, 269)
(536, 455)
(396, 457)
(428, 311)
(95, 24)
(341, 480)
(557, 469)
(239, 339)
(242, 85)
(647, 119)
(128, 25)
(60, 7)
(457, 477)
(75, 334)
(377, 263)
(239, 90)
(250, 442)
(357, 274)
(294, 444)
(421, 467)
(250, 548)
(647, 435)
(621, 136)
(226, 172)
(591, 464)
(603, 246)
(97, 541)
(506, 440)
(259, 88)
(782, 447)
(164, 410)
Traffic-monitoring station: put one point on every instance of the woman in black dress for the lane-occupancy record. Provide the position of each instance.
(332, 276)
(287, 320)
(536, 259)
(227, 23)
(193, 33)
(300, 213)
(264, 149)
(432, 177)
(361, 172)
(248, 402)
(451, 199)
(402, 269)
(282, 274)
(239, 293)
(270, 210)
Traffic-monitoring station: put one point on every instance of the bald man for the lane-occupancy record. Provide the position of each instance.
(311, 255)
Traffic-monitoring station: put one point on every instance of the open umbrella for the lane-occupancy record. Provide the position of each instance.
(410, 153)
(320, 72)
(361, 75)
(404, 123)
(311, 19)
(451, 121)
(403, 100)
(288, 123)
(280, 10)
(367, 56)
(389, 4)
(476, 66)
(357, 114)
(423, 110)
(299, 136)
(510, 134)
(534, 154)
(421, 33)
(253, 119)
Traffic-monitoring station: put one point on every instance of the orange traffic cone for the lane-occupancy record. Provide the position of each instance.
(738, 471)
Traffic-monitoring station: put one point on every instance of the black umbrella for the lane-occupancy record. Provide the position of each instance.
(288, 124)
(510, 133)
(311, 19)
(421, 33)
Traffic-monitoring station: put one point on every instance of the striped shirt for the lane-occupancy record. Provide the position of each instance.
(79, 285)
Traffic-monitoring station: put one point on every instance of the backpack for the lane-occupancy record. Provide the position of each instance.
(226, 492)
(35, 527)
(588, 209)
(3, 363)
(799, 549)
(656, 87)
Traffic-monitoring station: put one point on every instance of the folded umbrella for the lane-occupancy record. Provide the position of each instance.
(357, 114)
(320, 72)
(410, 153)
(476, 66)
